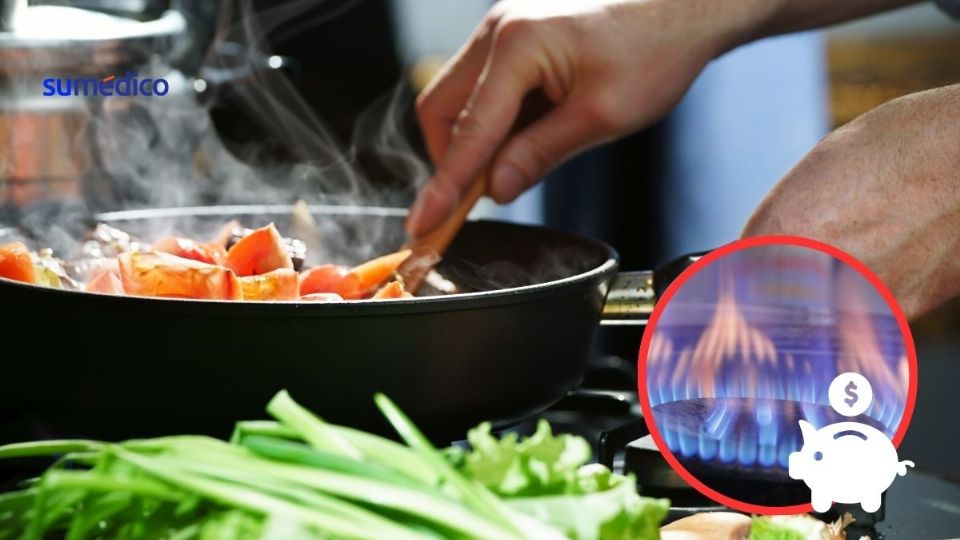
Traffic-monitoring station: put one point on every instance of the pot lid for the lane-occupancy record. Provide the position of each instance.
(62, 39)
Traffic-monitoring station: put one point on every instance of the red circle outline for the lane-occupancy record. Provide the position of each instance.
(706, 260)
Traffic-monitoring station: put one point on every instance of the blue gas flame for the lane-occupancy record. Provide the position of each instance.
(750, 345)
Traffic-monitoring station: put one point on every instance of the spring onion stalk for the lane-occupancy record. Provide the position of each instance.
(430, 507)
(100, 482)
(297, 453)
(266, 428)
(46, 448)
(398, 457)
(374, 448)
(301, 477)
(255, 500)
(475, 495)
(313, 430)
(312, 498)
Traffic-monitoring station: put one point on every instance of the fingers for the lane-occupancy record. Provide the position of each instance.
(439, 104)
(435, 202)
(484, 121)
(524, 160)
(532, 153)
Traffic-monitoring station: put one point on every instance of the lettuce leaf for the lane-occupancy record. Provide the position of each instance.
(617, 513)
(546, 476)
(542, 464)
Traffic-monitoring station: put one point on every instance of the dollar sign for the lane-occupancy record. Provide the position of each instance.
(853, 397)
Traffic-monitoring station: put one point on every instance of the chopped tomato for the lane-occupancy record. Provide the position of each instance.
(330, 278)
(188, 249)
(15, 263)
(322, 297)
(107, 282)
(394, 289)
(373, 273)
(258, 253)
(280, 284)
(225, 234)
(151, 273)
(351, 283)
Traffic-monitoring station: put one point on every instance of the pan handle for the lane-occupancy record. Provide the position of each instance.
(632, 295)
(630, 299)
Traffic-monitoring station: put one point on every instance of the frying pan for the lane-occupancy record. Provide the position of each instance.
(77, 364)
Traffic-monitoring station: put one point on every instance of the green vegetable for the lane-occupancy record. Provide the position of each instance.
(546, 477)
(614, 514)
(473, 494)
(303, 478)
(46, 448)
(542, 464)
(310, 427)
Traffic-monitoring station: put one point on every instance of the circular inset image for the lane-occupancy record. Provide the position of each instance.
(757, 338)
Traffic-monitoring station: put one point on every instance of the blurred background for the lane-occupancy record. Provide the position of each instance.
(691, 182)
(687, 184)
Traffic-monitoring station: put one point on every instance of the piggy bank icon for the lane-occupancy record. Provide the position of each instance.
(846, 462)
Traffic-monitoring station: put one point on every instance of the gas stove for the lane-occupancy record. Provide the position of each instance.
(605, 410)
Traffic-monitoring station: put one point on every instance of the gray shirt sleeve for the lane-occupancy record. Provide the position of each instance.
(950, 7)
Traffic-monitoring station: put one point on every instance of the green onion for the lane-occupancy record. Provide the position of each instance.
(313, 430)
(46, 448)
(296, 453)
(474, 495)
(302, 477)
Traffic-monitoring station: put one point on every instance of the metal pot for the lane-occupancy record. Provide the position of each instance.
(77, 147)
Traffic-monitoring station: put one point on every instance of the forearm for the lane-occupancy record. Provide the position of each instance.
(608, 67)
(749, 20)
(794, 15)
(885, 188)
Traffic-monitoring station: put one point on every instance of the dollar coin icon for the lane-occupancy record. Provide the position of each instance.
(850, 394)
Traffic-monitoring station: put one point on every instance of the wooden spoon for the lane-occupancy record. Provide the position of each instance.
(429, 248)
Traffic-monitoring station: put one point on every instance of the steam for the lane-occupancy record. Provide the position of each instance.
(166, 152)
(141, 152)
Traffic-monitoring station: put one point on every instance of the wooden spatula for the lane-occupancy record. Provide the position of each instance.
(430, 247)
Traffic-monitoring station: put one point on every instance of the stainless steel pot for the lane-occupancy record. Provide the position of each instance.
(8, 9)
(57, 148)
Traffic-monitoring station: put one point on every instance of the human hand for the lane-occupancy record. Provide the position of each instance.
(886, 189)
(608, 68)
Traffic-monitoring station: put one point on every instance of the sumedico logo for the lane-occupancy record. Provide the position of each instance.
(111, 85)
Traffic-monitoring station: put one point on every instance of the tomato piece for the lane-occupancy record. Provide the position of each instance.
(258, 253)
(225, 234)
(330, 278)
(394, 289)
(351, 283)
(373, 273)
(151, 273)
(322, 297)
(189, 249)
(107, 282)
(280, 284)
(15, 263)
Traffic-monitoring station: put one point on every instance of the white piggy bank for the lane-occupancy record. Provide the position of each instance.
(846, 462)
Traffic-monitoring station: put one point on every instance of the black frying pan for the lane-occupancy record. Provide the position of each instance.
(117, 367)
